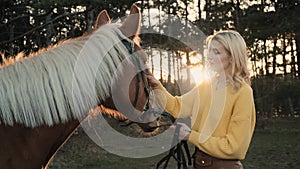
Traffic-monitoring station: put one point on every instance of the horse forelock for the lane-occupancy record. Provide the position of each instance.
(61, 83)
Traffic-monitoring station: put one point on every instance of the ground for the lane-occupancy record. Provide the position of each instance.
(275, 145)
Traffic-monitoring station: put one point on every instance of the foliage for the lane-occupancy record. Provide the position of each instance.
(277, 96)
(28, 25)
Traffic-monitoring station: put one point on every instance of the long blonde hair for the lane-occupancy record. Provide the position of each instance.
(236, 47)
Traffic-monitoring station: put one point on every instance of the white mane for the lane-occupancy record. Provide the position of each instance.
(62, 83)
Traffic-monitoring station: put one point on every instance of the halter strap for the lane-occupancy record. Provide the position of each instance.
(130, 47)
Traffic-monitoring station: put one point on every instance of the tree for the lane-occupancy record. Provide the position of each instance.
(28, 25)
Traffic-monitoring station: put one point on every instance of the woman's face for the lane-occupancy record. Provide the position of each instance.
(217, 57)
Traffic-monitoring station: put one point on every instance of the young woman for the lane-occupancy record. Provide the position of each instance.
(222, 109)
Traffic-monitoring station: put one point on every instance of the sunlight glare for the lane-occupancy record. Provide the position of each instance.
(199, 75)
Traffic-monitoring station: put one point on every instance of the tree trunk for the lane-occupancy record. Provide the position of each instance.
(181, 68)
(175, 69)
(293, 60)
(48, 30)
(142, 7)
(174, 64)
(149, 22)
(178, 65)
(160, 54)
(169, 69)
(90, 20)
(297, 39)
(199, 10)
(262, 6)
(237, 15)
(11, 36)
(188, 62)
(188, 72)
(254, 66)
(208, 5)
(274, 56)
(284, 55)
(160, 66)
(151, 60)
(266, 58)
(169, 84)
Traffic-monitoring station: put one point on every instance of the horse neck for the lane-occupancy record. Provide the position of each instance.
(37, 88)
(57, 85)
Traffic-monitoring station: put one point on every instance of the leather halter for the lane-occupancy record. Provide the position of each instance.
(140, 74)
(177, 151)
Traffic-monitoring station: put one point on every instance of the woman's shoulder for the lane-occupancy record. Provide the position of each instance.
(245, 89)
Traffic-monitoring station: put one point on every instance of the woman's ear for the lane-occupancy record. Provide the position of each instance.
(102, 19)
(132, 23)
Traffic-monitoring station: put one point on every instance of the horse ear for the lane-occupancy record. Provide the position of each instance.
(132, 23)
(102, 19)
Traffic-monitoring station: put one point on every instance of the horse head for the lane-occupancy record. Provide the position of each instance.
(130, 94)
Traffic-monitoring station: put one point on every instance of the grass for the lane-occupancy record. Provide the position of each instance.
(275, 145)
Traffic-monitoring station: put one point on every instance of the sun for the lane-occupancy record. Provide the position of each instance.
(199, 74)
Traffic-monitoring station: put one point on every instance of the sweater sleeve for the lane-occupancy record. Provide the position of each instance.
(179, 106)
(235, 143)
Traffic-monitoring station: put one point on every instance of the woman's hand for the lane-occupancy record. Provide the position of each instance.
(152, 80)
(184, 132)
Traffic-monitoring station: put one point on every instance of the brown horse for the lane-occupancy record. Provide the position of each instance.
(44, 97)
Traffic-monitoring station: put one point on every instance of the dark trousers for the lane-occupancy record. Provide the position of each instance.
(205, 161)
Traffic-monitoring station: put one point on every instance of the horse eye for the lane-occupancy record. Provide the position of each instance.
(141, 44)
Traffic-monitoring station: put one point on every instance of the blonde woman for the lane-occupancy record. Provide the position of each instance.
(222, 109)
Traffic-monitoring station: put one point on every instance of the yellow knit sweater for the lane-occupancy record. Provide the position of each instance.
(222, 121)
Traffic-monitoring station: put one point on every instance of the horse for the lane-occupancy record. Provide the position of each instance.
(46, 95)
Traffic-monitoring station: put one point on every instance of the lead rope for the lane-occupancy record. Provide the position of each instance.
(177, 152)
